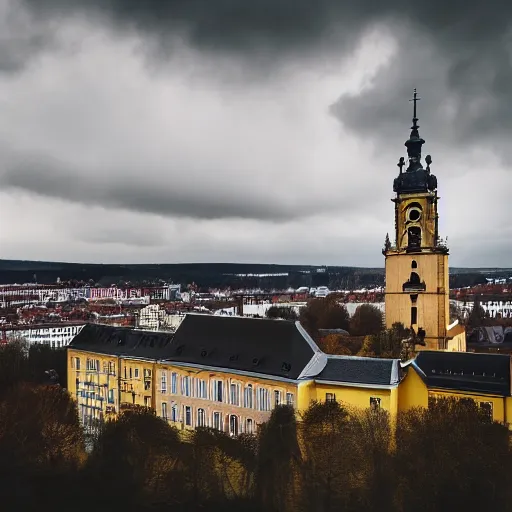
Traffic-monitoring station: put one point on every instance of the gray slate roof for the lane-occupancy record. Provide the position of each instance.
(269, 347)
(465, 371)
(361, 371)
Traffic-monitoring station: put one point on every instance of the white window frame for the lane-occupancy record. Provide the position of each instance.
(249, 396)
(263, 399)
(216, 383)
(187, 408)
(290, 399)
(163, 381)
(217, 414)
(175, 412)
(174, 383)
(185, 385)
(164, 410)
(234, 393)
(201, 414)
(203, 389)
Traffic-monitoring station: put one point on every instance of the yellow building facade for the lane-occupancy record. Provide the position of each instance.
(189, 395)
(417, 282)
(234, 400)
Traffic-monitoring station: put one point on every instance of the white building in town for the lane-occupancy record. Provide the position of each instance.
(54, 335)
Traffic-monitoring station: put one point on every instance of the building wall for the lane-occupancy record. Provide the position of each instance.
(432, 304)
(412, 391)
(189, 397)
(137, 382)
(93, 381)
(457, 343)
(351, 397)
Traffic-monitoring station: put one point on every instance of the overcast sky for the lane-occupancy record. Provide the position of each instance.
(256, 131)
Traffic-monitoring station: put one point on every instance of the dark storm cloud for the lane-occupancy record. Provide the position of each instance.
(22, 36)
(467, 78)
(49, 178)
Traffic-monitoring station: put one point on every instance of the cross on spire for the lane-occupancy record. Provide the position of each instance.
(415, 99)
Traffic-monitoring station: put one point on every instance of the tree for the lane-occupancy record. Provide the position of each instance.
(323, 313)
(13, 364)
(387, 343)
(477, 316)
(331, 462)
(142, 455)
(41, 446)
(367, 320)
(461, 462)
(279, 462)
(284, 312)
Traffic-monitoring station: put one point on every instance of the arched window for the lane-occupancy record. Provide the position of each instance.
(249, 427)
(201, 418)
(414, 264)
(233, 425)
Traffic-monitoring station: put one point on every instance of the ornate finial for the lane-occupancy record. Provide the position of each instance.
(415, 141)
(401, 163)
(428, 160)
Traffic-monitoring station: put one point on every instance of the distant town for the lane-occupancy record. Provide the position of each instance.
(53, 314)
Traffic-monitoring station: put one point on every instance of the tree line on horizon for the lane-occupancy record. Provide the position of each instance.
(330, 458)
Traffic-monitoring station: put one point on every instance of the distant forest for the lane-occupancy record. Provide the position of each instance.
(217, 275)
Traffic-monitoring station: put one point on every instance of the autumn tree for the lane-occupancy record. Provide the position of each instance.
(324, 313)
(142, 455)
(13, 364)
(331, 462)
(388, 343)
(367, 320)
(461, 458)
(41, 442)
(279, 462)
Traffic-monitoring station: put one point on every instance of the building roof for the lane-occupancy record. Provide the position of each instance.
(270, 347)
(361, 371)
(464, 371)
(122, 341)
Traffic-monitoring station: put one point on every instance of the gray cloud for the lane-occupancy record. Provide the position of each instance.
(467, 79)
(205, 126)
(22, 36)
(134, 192)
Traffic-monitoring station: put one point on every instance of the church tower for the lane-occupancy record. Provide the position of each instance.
(417, 287)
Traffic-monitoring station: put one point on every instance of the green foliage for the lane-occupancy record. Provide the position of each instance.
(284, 312)
(367, 320)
